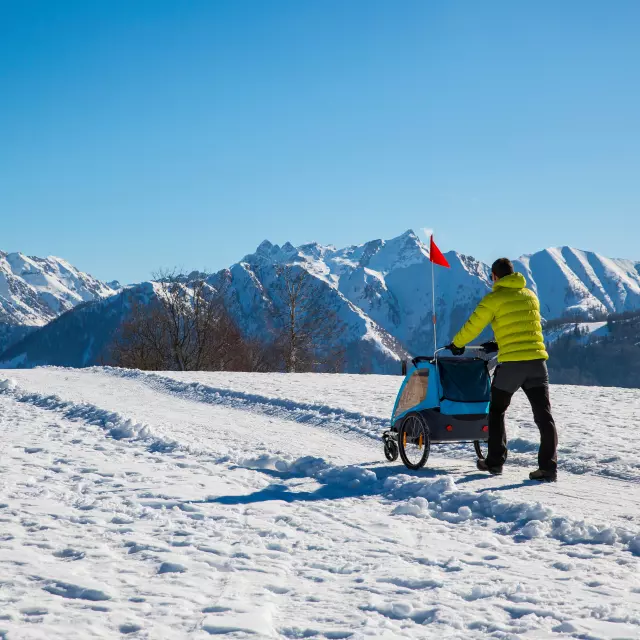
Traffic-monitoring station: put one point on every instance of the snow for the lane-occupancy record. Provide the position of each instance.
(570, 281)
(191, 505)
(34, 290)
(390, 281)
(588, 331)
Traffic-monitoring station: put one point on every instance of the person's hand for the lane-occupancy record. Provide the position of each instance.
(490, 347)
(457, 351)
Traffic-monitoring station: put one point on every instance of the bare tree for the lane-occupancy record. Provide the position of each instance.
(261, 357)
(142, 340)
(184, 327)
(307, 331)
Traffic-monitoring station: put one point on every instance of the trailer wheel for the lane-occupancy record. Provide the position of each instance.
(477, 445)
(414, 441)
(390, 450)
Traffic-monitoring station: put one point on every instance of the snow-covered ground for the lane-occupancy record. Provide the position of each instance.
(588, 331)
(190, 505)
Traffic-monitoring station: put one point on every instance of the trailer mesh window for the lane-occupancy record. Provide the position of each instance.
(414, 392)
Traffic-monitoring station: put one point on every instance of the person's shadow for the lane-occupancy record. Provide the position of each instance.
(332, 491)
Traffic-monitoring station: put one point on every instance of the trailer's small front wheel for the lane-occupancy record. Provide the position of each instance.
(481, 449)
(390, 450)
(414, 442)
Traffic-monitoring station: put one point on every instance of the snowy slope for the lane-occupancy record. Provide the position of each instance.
(597, 353)
(569, 282)
(34, 291)
(181, 506)
(249, 292)
(582, 332)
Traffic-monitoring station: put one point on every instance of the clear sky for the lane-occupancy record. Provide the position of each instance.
(149, 133)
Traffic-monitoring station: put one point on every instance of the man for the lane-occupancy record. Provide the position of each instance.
(514, 314)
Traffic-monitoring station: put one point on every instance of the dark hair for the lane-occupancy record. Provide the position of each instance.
(502, 267)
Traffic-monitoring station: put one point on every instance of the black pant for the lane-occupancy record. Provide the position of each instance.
(538, 396)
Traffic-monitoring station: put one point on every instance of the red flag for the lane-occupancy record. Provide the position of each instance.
(435, 255)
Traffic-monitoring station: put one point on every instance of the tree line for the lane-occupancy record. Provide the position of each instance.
(187, 326)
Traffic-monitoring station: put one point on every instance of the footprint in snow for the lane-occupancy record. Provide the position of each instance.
(314, 633)
(171, 567)
(126, 629)
(69, 554)
(181, 543)
(135, 547)
(413, 583)
(34, 612)
(75, 592)
(277, 589)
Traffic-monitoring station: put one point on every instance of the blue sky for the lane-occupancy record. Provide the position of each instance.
(136, 135)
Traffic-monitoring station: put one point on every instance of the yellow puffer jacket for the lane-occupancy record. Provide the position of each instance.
(514, 314)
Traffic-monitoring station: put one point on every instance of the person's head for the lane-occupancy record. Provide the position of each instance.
(501, 268)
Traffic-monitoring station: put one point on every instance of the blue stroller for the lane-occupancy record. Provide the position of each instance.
(442, 399)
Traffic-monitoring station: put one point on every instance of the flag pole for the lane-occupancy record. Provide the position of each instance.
(433, 305)
(435, 255)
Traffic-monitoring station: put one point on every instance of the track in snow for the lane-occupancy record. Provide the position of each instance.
(232, 529)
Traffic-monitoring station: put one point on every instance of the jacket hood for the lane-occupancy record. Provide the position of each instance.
(512, 281)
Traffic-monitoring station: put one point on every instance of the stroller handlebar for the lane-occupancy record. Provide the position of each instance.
(478, 348)
(468, 348)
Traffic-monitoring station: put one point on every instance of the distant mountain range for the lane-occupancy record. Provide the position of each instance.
(34, 291)
(381, 291)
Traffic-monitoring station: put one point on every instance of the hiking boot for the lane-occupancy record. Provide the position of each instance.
(543, 475)
(483, 466)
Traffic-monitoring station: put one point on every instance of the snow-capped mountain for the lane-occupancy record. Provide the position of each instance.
(381, 291)
(81, 337)
(249, 288)
(34, 291)
(383, 288)
(573, 282)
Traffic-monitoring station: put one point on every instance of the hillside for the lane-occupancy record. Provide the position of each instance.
(380, 291)
(583, 283)
(604, 354)
(34, 291)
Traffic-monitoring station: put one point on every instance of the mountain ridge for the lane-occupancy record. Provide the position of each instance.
(381, 291)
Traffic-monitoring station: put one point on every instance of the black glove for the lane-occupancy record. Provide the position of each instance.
(490, 347)
(457, 351)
